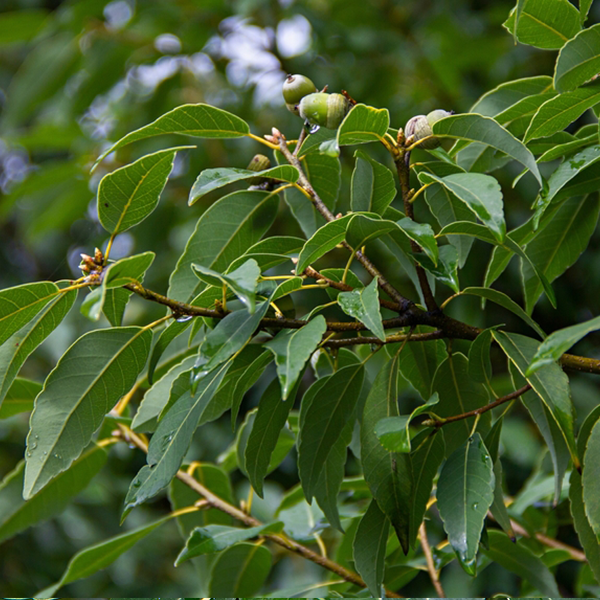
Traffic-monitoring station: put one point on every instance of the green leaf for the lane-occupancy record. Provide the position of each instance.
(99, 556)
(170, 442)
(363, 305)
(324, 172)
(22, 343)
(477, 128)
(419, 362)
(292, 348)
(230, 336)
(587, 537)
(518, 559)
(242, 280)
(388, 474)
(322, 421)
(128, 270)
(196, 120)
(19, 397)
(269, 421)
(556, 146)
(423, 235)
(18, 305)
(559, 112)
(503, 300)
(568, 170)
(216, 538)
(167, 335)
(426, 459)
(362, 228)
(464, 495)
(482, 233)
(579, 59)
(89, 379)
(21, 25)
(16, 515)
(324, 239)
(270, 252)
(590, 479)
(458, 394)
(557, 343)
(480, 366)
(553, 249)
(549, 383)
(129, 194)
(481, 193)
(372, 187)
(240, 571)
(212, 179)
(546, 24)
(224, 232)
(394, 432)
(157, 396)
(369, 547)
(363, 124)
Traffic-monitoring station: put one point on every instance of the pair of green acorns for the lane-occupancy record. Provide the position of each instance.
(328, 110)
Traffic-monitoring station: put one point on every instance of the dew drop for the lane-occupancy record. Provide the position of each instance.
(57, 456)
(28, 454)
(475, 505)
(33, 446)
(45, 452)
(184, 318)
(314, 128)
(136, 484)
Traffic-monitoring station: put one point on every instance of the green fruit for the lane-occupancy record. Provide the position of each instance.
(419, 128)
(295, 87)
(324, 110)
(435, 115)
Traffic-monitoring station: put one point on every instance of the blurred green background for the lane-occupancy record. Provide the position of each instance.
(76, 75)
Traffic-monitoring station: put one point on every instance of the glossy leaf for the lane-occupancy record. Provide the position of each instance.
(22, 343)
(212, 179)
(363, 124)
(270, 252)
(270, 419)
(369, 547)
(558, 245)
(99, 556)
(560, 111)
(481, 193)
(170, 442)
(388, 474)
(423, 235)
(129, 194)
(363, 305)
(323, 421)
(549, 383)
(230, 336)
(324, 240)
(591, 480)
(372, 187)
(224, 232)
(464, 495)
(518, 559)
(477, 128)
(18, 305)
(503, 300)
(242, 280)
(362, 228)
(544, 24)
(240, 571)
(76, 396)
(579, 59)
(196, 120)
(587, 537)
(427, 456)
(16, 515)
(128, 270)
(292, 348)
(458, 394)
(216, 538)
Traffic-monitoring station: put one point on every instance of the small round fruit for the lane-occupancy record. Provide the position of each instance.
(435, 115)
(420, 128)
(295, 87)
(324, 110)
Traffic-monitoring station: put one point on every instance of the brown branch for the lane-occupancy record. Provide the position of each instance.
(403, 170)
(390, 339)
(281, 539)
(433, 574)
(305, 184)
(440, 421)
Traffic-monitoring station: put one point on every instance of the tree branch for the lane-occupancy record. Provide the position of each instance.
(281, 539)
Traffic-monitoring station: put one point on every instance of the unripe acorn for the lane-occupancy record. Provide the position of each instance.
(295, 87)
(259, 162)
(325, 110)
(421, 127)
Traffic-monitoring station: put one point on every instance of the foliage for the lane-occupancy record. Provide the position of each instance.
(332, 377)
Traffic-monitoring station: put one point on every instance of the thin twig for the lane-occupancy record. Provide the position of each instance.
(433, 574)
(233, 511)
